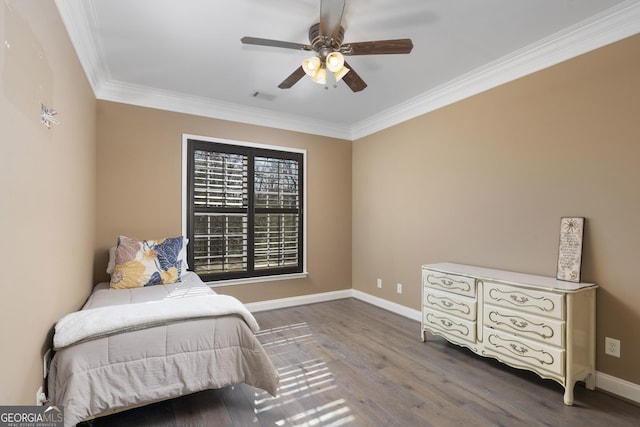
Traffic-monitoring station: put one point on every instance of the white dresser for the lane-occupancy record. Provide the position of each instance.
(526, 321)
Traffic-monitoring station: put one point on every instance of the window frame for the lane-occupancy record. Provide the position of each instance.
(243, 146)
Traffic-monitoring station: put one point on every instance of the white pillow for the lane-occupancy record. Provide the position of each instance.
(111, 265)
(183, 254)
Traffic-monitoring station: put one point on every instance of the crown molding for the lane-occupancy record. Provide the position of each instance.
(79, 17)
(180, 103)
(614, 24)
(608, 27)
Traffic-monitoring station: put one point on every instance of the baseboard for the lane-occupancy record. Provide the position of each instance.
(275, 304)
(388, 305)
(610, 384)
(618, 386)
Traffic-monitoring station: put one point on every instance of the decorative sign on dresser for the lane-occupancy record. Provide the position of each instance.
(570, 249)
(526, 321)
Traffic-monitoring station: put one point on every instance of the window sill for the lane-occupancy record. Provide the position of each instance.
(262, 279)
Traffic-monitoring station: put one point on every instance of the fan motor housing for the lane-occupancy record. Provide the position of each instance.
(319, 42)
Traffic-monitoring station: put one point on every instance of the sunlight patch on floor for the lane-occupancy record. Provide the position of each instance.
(303, 383)
(334, 413)
(283, 336)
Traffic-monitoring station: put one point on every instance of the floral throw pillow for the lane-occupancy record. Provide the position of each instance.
(146, 262)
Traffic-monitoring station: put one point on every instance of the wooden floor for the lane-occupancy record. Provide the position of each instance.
(348, 363)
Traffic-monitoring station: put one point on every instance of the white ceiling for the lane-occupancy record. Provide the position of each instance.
(186, 55)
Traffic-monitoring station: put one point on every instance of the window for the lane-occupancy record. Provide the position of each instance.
(244, 210)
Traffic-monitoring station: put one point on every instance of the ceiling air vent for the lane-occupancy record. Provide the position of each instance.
(263, 96)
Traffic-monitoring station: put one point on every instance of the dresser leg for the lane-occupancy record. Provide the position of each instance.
(590, 382)
(423, 336)
(568, 393)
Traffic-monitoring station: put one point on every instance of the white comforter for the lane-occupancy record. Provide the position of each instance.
(104, 321)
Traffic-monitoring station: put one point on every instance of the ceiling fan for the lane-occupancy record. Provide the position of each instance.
(325, 39)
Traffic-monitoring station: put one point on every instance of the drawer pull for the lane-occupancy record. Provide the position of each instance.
(519, 300)
(446, 323)
(448, 304)
(519, 323)
(543, 330)
(448, 283)
(521, 349)
(539, 355)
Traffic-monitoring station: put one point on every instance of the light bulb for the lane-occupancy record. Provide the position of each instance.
(335, 61)
(311, 66)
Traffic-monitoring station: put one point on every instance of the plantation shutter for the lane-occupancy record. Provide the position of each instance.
(245, 216)
(221, 212)
(277, 205)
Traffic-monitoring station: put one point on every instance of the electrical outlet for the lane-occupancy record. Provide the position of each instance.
(612, 347)
(379, 283)
(399, 288)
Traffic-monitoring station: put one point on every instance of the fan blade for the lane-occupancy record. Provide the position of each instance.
(378, 47)
(293, 78)
(331, 12)
(353, 80)
(274, 43)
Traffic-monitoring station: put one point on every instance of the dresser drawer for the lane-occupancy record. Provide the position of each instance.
(454, 304)
(460, 285)
(539, 328)
(523, 353)
(450, 325)
(531, 301)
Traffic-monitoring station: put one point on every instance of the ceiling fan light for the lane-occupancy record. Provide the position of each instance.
(311, 66)
(341, 73)
(335, 62)
(321, 76)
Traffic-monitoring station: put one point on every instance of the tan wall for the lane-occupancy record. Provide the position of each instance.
(47, 190)
(486, 180)
(483, 182)
(139, 188)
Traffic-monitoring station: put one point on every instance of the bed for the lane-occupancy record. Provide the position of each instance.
(131, 347)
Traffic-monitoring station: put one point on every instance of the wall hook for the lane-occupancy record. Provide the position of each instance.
(46, 116)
